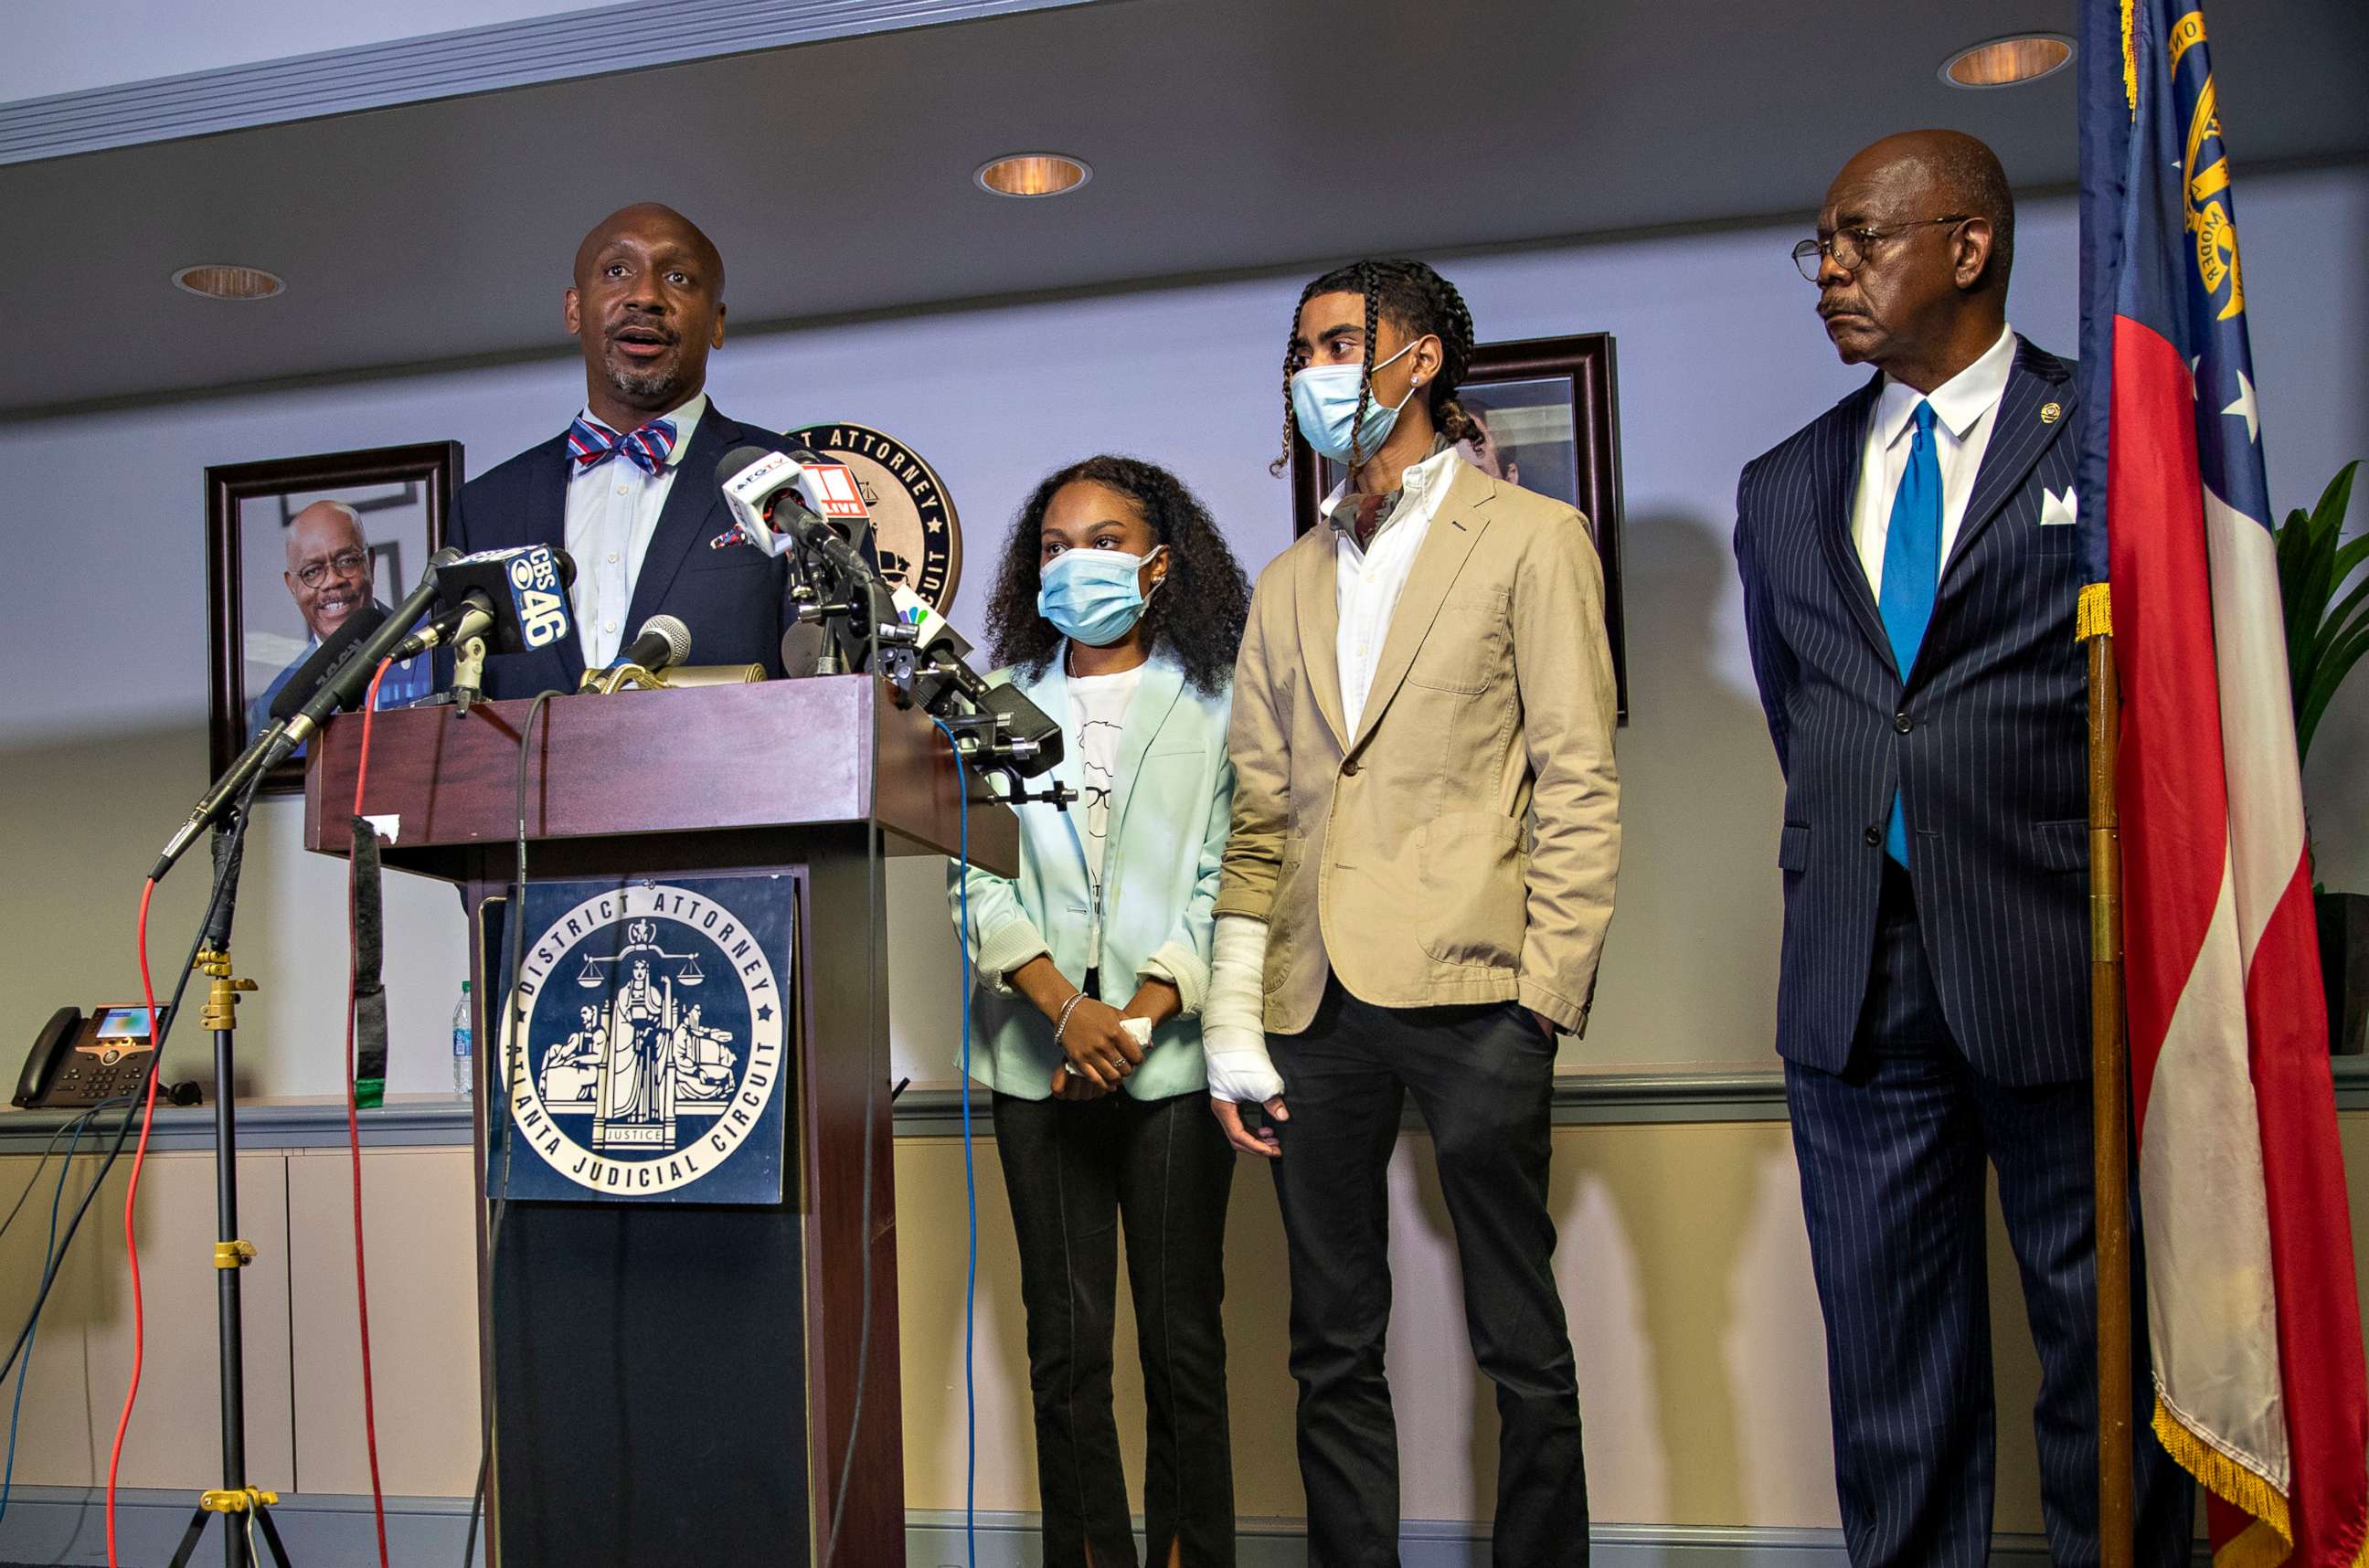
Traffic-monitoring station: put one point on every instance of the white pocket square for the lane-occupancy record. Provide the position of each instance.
(2058, 512)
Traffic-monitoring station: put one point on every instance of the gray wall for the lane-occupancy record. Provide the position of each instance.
(102, 736)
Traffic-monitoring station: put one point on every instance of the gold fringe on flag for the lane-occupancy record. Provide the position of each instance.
(2130, 63)
(2265, 1543)
(2093, 616)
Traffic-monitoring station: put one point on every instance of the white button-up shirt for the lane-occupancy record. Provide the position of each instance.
(1962, 410)
(612, 510)
(1368, 582)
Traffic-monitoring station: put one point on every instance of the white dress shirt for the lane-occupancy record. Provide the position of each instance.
(1962, 410)
(1368, 582)
(612, 510)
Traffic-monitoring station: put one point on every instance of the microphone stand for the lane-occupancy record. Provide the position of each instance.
(234, 1496)
(468, 674)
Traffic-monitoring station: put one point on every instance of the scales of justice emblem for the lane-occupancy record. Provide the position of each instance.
(654, 1043)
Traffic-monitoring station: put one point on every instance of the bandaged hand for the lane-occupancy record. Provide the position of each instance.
(1233, 1035)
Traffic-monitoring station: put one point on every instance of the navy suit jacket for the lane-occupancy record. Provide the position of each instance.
(734, 600)
(1985, 739)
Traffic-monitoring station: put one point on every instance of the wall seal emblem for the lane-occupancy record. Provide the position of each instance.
(915, 531)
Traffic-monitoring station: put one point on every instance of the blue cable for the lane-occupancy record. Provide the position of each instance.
(970, 1184)
(25, 1368)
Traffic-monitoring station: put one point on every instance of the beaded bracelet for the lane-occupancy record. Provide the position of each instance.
(1068, 1007)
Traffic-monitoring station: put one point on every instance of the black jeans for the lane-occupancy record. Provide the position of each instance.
(1074, 1169)
(1482, 1077)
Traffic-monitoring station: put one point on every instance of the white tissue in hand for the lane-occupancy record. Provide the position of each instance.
(1137, 1029)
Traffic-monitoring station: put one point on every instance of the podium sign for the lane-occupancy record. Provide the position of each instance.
(658, 1030)
(702, 939)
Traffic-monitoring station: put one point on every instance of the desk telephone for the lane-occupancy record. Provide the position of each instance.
(78, 1060)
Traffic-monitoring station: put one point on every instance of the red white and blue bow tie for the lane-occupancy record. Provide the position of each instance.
(592, 443)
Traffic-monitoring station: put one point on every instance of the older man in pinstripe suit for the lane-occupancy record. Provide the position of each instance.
(1909, 577)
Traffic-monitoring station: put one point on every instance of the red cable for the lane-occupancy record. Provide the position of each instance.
(131, 1240)
(354, 1132)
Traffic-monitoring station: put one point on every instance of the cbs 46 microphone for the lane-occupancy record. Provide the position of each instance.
(516, 600)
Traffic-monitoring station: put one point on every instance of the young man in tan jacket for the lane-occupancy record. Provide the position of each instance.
(1416, 890)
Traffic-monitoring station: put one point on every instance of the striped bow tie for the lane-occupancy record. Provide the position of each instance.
(592, 443)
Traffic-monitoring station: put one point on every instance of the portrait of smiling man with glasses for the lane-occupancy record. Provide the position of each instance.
(329, 576)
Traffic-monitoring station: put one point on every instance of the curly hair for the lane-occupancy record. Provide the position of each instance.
(1199, 612)
(1418, 301)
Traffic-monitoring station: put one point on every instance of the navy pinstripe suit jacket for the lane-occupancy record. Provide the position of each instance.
(1985, 739)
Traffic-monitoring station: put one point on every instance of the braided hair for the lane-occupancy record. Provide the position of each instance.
(1199, 612)
(1420, 303)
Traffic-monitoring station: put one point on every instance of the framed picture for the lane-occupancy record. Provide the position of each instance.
(295, 546)
(1549, 411)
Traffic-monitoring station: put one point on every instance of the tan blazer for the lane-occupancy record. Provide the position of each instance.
(1396, 857)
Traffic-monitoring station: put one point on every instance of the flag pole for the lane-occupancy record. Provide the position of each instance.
(2111, 1094)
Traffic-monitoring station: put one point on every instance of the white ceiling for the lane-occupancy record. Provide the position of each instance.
(1225, 136)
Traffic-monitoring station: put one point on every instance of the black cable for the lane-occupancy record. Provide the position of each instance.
(78, 1126)
(514, 939)
(42, 1163)
(162, 1027)
(872, 1076)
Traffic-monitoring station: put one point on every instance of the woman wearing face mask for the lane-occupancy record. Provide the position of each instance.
(1118, 610)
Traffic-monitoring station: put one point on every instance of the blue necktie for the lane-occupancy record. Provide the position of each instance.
(1912, 571)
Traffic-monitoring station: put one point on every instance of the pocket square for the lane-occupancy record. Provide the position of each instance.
(2058, 512)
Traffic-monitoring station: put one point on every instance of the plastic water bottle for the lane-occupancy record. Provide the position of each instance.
(464, 1076)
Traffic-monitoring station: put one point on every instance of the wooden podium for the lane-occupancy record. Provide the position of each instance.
(674, 1383)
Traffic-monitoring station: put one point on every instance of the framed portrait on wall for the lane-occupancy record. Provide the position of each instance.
(296, 545)
(1549, 413)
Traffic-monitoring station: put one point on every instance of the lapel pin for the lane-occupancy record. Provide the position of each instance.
(2051, 412)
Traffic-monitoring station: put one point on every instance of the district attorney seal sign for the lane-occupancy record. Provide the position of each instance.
(657, 1034)
(914, 529)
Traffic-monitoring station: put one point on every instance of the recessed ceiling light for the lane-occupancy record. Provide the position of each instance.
(2008, 62)
(217, 282)
(1034, 174)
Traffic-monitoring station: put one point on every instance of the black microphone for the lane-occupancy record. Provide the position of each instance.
(663, 642)
(336, 674)
(518, 599)
(1038, 733)
(329, 657)
(345, 685)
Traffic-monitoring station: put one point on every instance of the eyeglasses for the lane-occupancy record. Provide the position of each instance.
(1849, 246)
(345, 563)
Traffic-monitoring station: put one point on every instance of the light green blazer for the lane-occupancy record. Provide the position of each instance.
(1171, 801)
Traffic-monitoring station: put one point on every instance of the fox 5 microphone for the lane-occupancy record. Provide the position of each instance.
(821, 496)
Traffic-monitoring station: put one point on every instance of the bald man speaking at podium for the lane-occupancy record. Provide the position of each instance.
(628, 487)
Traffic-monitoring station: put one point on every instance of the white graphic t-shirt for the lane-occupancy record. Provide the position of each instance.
(1097, 726)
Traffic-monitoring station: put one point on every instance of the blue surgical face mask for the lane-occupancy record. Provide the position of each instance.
(1325, 405)
(1091, 595)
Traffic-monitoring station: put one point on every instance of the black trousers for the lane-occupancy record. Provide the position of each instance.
(1482, 1077)
(1075, 1171)
(1891, 1153)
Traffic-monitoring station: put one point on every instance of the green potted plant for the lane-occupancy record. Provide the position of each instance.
(2327, 633)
